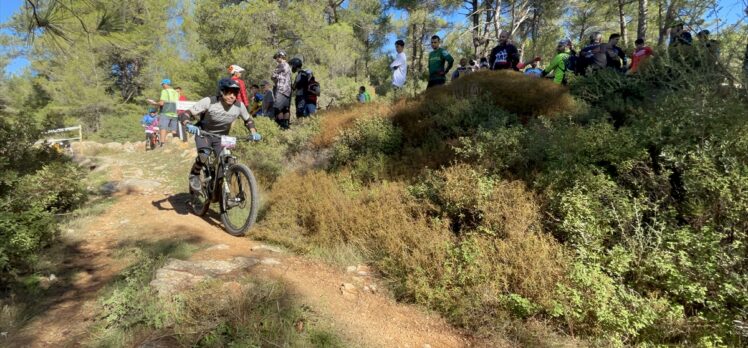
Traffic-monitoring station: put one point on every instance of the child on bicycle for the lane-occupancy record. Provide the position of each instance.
(150, 123)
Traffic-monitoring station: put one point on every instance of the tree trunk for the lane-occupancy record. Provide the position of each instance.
(667, 22)
(745, 67)
(475, 17)
(641, 28)
(622, 22)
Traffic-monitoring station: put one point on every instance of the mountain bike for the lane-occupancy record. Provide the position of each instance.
(229, 183)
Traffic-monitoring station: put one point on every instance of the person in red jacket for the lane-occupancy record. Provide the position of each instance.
(236, 75)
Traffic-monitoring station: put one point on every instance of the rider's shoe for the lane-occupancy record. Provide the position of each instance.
(195, 183)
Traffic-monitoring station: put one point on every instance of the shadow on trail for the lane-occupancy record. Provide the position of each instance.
(179, 203)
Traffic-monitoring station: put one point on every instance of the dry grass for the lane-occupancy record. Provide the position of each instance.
(336, 120)
(418, 252)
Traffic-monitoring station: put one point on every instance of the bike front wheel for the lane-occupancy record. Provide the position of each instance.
(240, 200)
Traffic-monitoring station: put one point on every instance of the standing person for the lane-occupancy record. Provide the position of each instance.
(180, 130)
(505, 55)
(593, 56)
(300, 86)
(236, 74)
(709, 47)
(641, 53)
(679, 36)
(399, 68)
(363, 96)
(533, 70)
(255, 100)
(168, 103)
(461, 70)
(559, 64)
(616, 55)
(437, 58)
(267, 99)
(282, 79)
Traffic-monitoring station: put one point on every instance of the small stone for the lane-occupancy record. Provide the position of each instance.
(348, 291)
(123, 221)
(426, 345)
(350, 269)
(373, 288)
(218, 247)
(52, 277)
(362, 273)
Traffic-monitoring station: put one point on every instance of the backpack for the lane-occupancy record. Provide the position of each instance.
(313, 90)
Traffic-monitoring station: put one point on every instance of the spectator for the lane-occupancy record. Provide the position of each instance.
(473, 65)
(641, 53)
(437, 59)
(559, 64)
(484, 64)
(300, 86)
(708, 46)
(282, 92)
(399, 67)
(461, 70)
(505, 55)
(255, 100)
(533, 70)
(236, 74)
(363, 96)
(679, 36)
(180, 130)
(616, 56)
(168, 102)
(593, 56)
(268, 109)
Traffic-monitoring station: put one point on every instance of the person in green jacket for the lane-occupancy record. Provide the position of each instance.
(559, 64)
(437, 58)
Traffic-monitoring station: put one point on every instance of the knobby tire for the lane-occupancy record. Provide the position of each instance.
(242, 184)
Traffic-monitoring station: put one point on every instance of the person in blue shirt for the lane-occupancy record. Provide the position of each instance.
(533, 69)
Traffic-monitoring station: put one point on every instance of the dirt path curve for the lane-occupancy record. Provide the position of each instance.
(362, 318)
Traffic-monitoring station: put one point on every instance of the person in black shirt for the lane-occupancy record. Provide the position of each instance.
(505, 55)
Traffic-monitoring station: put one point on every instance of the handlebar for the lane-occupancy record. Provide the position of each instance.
(203, 133)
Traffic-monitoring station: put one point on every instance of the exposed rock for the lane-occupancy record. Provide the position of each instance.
(113, 146)
(218, 247)
(349, 291)
(130, 186)
(178, 275)
(267, 247)
(350, 269)
(268, 261)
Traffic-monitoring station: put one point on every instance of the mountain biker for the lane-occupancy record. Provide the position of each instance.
(216, 116)
(150, 122)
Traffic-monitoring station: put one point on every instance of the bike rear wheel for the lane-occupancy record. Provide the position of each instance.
(200, 201)
(241, 201)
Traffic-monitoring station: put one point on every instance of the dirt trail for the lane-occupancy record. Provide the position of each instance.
(362, 318)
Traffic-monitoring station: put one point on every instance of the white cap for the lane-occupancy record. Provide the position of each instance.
(235, 69)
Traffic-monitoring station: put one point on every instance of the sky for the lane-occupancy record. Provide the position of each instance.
(730, 11)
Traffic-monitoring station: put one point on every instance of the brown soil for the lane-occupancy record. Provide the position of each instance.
(365, 319)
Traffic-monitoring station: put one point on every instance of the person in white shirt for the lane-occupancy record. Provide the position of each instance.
(399, 67)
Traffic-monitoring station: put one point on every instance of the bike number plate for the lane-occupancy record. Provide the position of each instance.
(228, 142)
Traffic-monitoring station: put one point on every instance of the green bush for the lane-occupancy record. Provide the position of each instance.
(368, 136)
